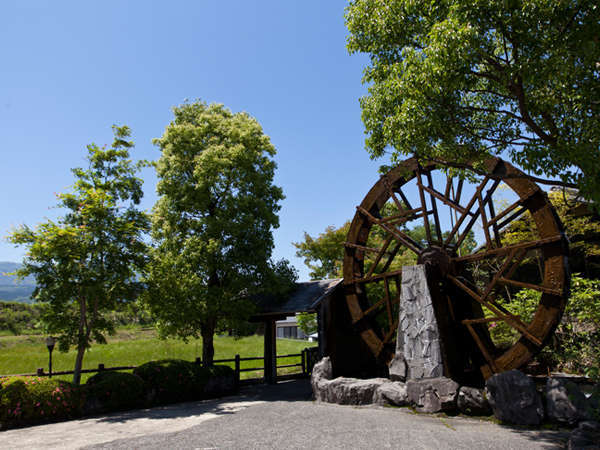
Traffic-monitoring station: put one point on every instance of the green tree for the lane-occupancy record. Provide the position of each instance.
(458, 80)
(86, 263)
(213, 221)
(307, 322)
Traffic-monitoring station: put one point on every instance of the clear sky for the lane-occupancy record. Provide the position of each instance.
(71, 69)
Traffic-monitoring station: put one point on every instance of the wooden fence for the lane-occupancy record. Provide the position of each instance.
(307, 361)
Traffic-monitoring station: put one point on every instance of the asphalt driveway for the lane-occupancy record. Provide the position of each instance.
(280, 416)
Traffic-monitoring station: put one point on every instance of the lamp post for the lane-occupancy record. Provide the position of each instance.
(50, 341)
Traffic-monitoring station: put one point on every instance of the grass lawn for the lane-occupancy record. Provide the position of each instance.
(24, 354)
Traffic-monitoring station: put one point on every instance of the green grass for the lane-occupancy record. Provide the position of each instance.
(24, 354)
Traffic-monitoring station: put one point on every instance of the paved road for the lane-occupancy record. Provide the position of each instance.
(280, 416)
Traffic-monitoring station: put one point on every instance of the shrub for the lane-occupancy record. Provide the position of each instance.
(27, 400)
(114, 391)
(170, 380)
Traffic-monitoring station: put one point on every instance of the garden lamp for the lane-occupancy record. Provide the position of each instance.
(50, 341)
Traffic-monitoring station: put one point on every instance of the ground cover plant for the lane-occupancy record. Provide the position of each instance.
(133, 347)
(27, 400)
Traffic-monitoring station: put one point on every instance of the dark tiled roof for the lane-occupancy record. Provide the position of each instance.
(305, 298)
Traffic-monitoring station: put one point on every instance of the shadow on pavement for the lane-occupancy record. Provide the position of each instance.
(288, 391)
(550, 439)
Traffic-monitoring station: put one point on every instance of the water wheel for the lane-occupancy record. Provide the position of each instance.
(483, 276)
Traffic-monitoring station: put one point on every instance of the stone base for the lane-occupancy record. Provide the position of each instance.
(418, 348)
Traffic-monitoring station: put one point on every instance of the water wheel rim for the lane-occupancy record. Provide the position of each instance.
(551, 242)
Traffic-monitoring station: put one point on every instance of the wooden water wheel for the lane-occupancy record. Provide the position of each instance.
(483, 276)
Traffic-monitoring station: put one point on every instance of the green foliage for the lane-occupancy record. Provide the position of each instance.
(213, 221)
(20, 317)
(458, 80)
(86, 263)
(574, 347)
(170, 380)
(115, 391)
(26, 400)
(307, 322)
(324, 254)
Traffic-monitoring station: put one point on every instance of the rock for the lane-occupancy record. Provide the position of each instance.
(319, 379)
(393, 393)
(353, 391)
(397, 368)
(514, 399)
(565, 403)
(585, 437)
(432, 394)
(418, 340)
(472, 401)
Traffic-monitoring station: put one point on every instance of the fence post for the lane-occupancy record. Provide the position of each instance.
(237, 370)
(303, 353)
(40, 372)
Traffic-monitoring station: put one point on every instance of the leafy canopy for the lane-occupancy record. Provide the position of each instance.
(86, 263)
(457, 80)
(213, 220)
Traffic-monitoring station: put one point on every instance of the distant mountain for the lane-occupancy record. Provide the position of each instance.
(11, 288)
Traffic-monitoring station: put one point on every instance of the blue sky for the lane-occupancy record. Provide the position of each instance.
(72, 69)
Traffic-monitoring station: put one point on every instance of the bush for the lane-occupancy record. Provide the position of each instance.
(170, 380)
(114, 391)
(27, 400)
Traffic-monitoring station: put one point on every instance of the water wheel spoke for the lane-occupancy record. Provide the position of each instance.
(374, 307)
(391, 256)
(436, 217)
(404, 199)
(466, 213)
(535, 287)
(388, 304)
(390, 333)
(380, 254)
(373, 277)
(494, 226)
(458, 191)
(511, 319)
(391, 193)
(444, 199)
(423, 203)
(529, 245)
(364, 248)
(498, 275)
(399, 235)
(480, 212)
(448, 188)
(482, 348)
(486, 231)
(403, 216)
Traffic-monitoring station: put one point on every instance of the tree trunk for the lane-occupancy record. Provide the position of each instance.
(82, 336)
(208, 349)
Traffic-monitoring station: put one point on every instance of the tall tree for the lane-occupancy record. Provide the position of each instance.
(213, 220)
(86, 263)
(458, 80)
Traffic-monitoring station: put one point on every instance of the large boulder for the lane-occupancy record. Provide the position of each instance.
(393, 393)
(585, 437)
(353, 391)
(432, 394)
(565, 403)
(514, 399)
(319, 378)
(473, 401)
